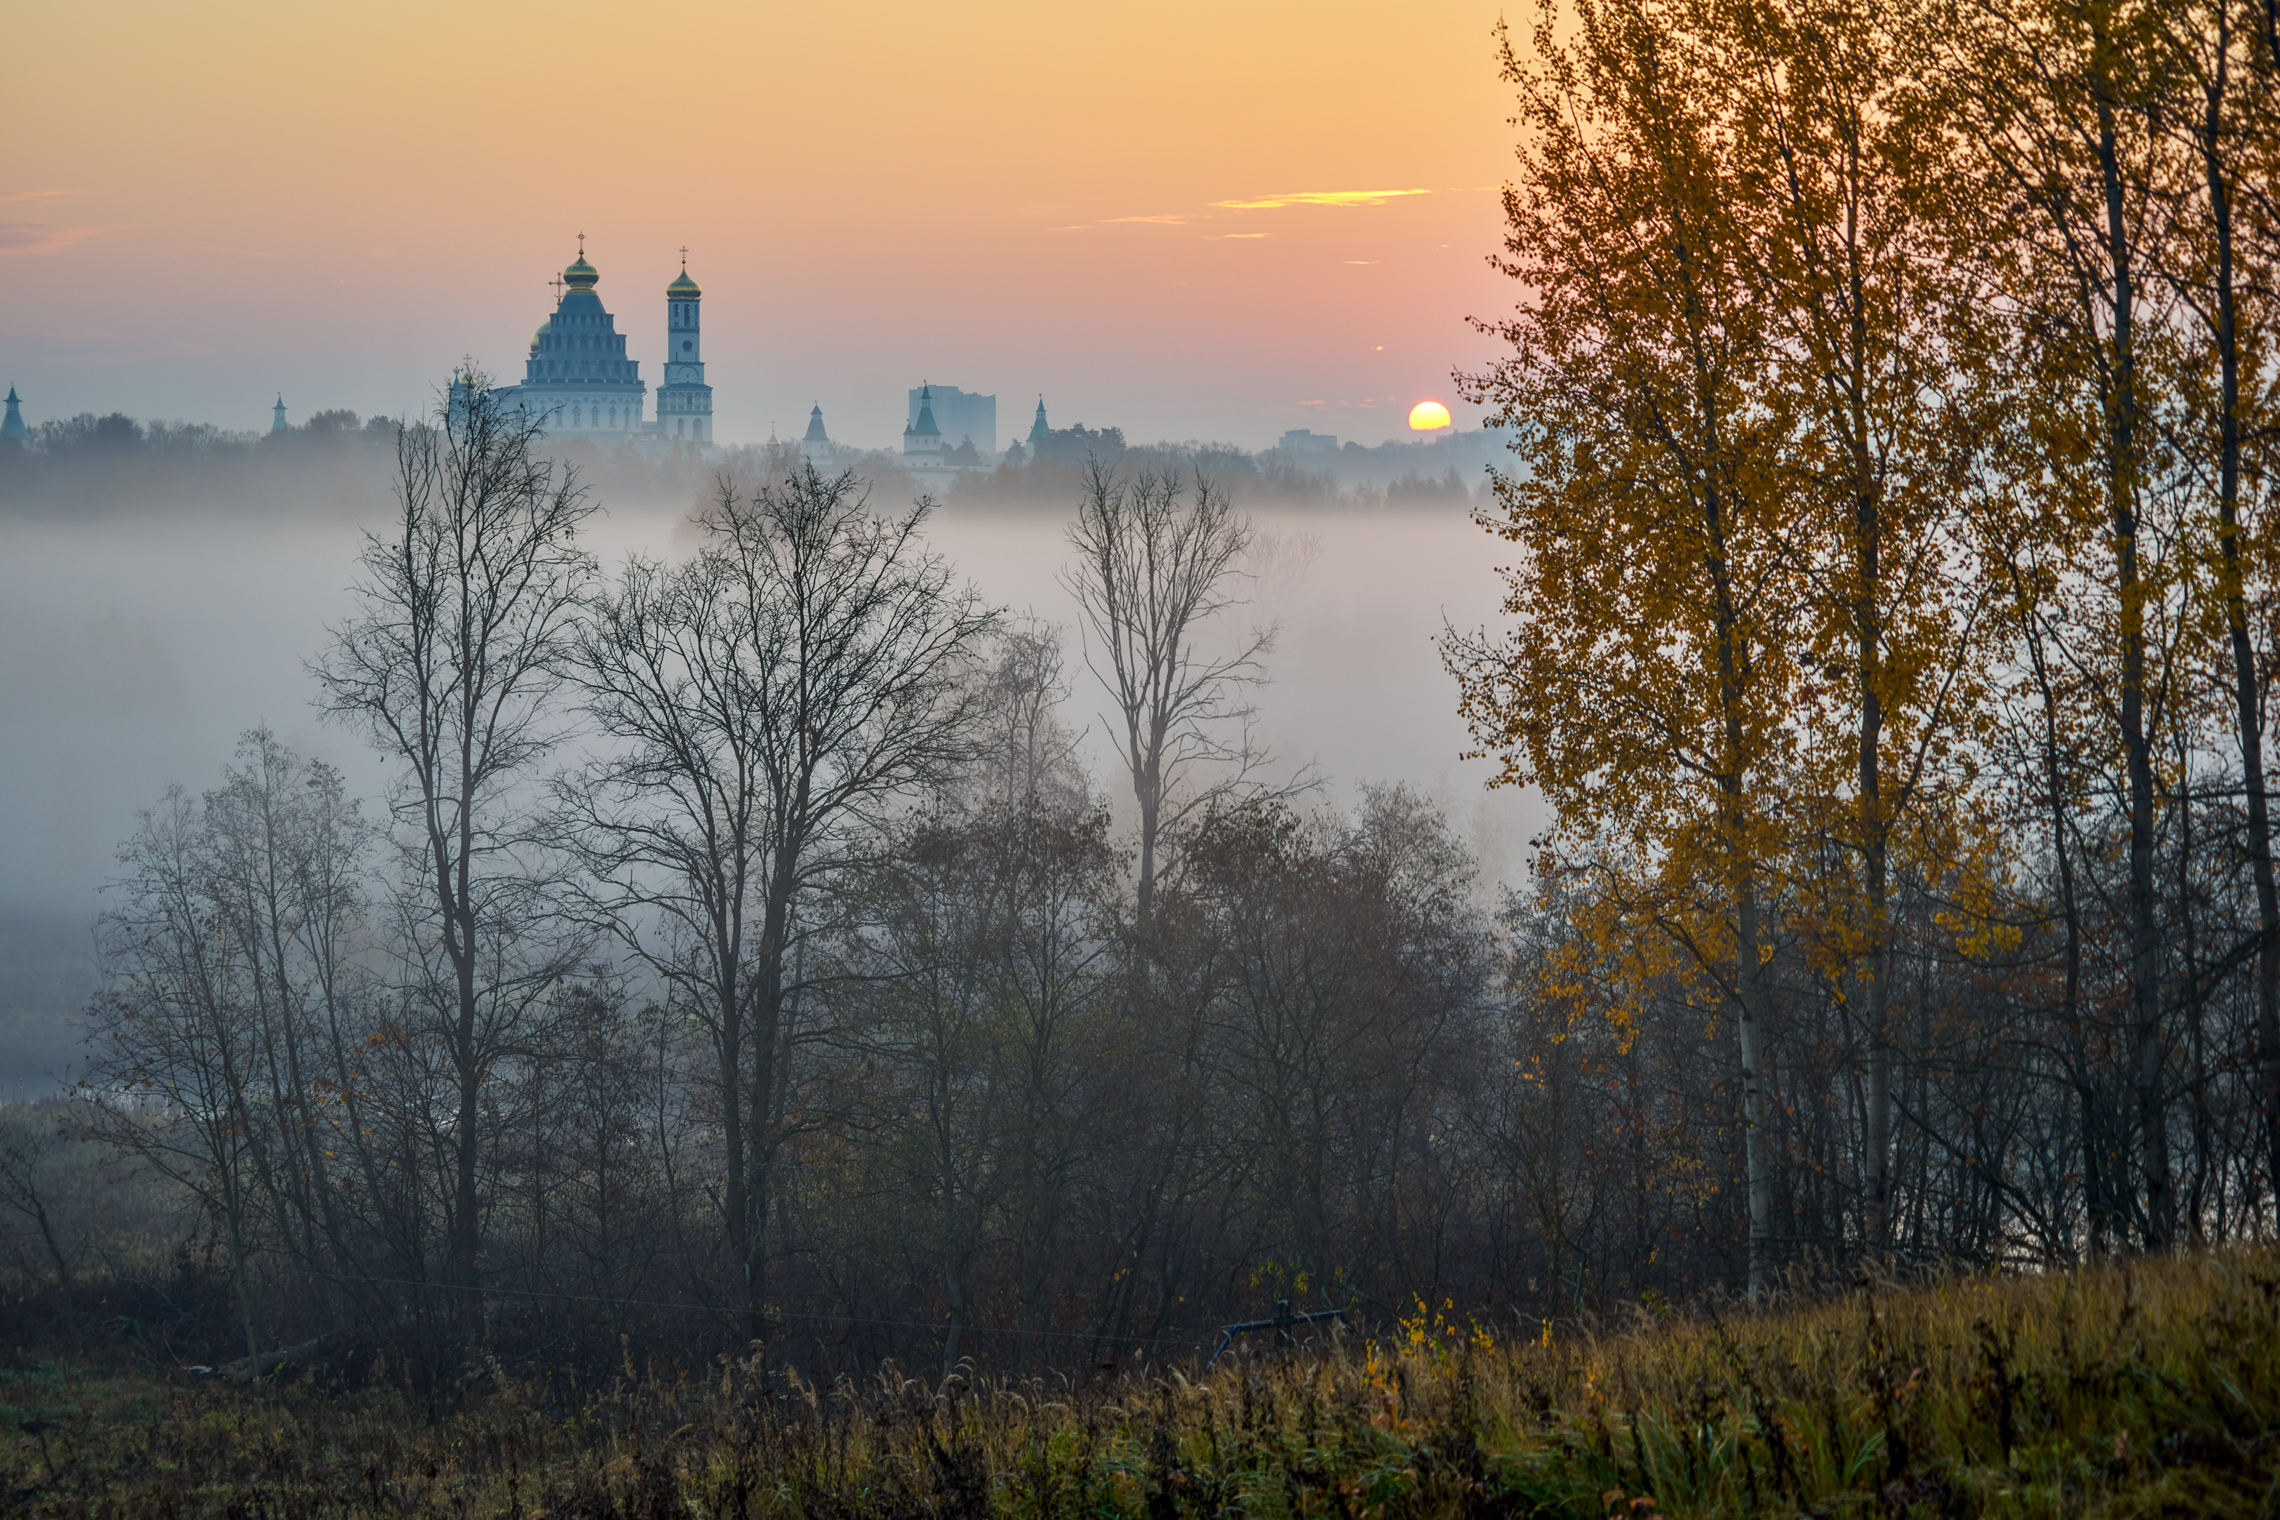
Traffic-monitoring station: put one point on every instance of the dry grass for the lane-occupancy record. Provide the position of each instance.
(2143, 1389)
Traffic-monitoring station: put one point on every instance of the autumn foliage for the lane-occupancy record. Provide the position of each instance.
(1892, 580)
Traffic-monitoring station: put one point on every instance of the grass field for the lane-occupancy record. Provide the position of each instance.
(2149, 1388)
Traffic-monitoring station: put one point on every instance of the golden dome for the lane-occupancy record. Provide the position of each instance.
(581, 275)
(683, 288)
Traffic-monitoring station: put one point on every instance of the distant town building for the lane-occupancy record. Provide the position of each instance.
(277, 422)
(962, 416)
(579, 382)
(922, 439)
(816, 446)
(1307, 441)
(13, 433)
(1072, 445)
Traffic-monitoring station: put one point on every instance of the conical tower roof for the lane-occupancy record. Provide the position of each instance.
(926, 427)
(815, 432)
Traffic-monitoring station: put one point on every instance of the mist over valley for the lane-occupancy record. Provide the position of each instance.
(154, 608)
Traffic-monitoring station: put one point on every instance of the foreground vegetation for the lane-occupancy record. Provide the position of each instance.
(2140, 1388)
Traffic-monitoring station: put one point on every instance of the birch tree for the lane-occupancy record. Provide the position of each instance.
(1645, 683)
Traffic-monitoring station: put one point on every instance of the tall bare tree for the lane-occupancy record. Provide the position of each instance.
(773, 697)
(1154, 567)
(452, 667)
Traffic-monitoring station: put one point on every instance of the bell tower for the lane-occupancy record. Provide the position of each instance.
(684, 401)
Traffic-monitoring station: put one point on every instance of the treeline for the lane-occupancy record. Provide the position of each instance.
(336, 465)
(1894, 601)
(90, 466)
(1451, 474)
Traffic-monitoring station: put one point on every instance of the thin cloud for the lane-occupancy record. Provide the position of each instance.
(1220, 237)
(35, 195)
(41, 237)
(1361, 261)
(1317, 198)
(1169, 219)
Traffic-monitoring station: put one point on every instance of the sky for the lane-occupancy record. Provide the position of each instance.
(1203, 221)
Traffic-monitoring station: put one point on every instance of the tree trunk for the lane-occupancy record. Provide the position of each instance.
(1747, 971)
(1875, 865)
(2122, 472)
(2247, 698)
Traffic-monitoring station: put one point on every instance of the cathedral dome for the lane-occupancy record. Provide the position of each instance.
(683, 288)
(581, 275)
(544, 328)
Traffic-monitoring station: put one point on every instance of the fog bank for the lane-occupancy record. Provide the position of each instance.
(135, 647)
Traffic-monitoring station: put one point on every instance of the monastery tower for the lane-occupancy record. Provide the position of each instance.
(684, 401)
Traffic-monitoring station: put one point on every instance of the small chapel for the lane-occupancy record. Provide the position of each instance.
(580, 382)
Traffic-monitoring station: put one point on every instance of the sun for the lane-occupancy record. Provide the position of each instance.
(1425, 416)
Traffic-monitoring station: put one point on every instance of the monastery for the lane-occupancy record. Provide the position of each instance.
(581, 384)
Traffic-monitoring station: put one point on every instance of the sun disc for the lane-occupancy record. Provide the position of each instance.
(1425, 416)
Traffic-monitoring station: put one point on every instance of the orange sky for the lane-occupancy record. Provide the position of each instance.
(203, 205)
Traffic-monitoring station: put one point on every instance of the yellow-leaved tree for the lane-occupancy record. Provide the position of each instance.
(1846, 198)
(2059, 101)
(1658, 587)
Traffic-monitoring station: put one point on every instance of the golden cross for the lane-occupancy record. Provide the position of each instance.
(581, 245)
(556, 282)
(684, 255)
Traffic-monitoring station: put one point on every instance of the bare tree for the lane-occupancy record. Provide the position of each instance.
(773, 697)
(1154, 567)
(27, 1147)
(452, 667)
(284, 850)
(975, 986)
(174, 1052)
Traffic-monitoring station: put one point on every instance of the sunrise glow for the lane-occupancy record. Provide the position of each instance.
(1238, 202)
